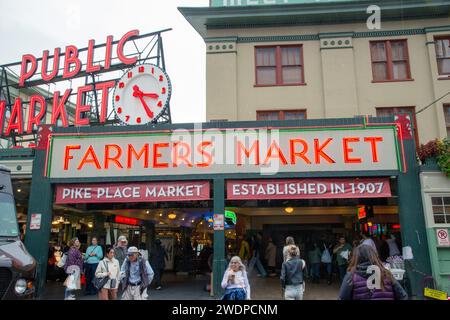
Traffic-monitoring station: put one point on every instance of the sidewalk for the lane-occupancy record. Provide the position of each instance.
(192, 288)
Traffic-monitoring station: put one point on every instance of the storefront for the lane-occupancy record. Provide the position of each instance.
(324, 170)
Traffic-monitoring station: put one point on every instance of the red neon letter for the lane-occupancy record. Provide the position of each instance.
(108, 53)
(121, 44)
(131, 151)
(274, 146)
(80, 108)
(93, 159)
(90, 59)
(35, 120)
(104, 87)
(157, 155)
(54, 73)
(24, 73)
(301, 154)
(184, 157)
(319, 153)
(16, 119)
(373, 141)
(348, 150)
(59, 109)
(67, 155)
(2, 113)
(241, 147)
(71, 57)
(209, 158)
(114, 159)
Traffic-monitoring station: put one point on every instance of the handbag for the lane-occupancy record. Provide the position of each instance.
(326, 257)
(70, 282)
(99, 283)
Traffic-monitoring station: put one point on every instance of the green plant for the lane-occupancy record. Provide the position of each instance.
(428, 150)
(443, 157)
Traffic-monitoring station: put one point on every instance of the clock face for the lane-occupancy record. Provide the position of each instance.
(141, 94)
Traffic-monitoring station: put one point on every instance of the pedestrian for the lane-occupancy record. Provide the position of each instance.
(342, 251)
(292, 275)
(393, 247)
(289, 241)
(256, 256)
(271, 253)
(314, 259)
(93, 255)
(73, 268)
(158, 256)
(244, 252)
(120, 251)
(326, 259)
(143, 250)
(357, 285)
(366, 239)
(109, 267)
(136, 275)
(235, 281)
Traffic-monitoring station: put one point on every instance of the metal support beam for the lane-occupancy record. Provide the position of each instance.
(219, 261)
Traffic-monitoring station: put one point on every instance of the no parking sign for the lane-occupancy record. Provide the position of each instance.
(442, 237)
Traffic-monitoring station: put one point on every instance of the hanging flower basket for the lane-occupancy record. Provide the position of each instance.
(436, 153)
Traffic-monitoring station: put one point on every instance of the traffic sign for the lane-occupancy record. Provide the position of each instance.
(442, 237)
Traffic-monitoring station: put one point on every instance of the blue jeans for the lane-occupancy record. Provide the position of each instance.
(315, 270)
(67, 293)
(90, 275)
(342, 271)
(255, 260)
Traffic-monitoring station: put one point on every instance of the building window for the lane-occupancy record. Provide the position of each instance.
(441, 209)
(391, 111)
(390, 60)
(279, 65)
(447, 118)
(443, 55)
(281, 115)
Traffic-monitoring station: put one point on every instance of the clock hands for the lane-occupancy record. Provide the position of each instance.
(137, 93)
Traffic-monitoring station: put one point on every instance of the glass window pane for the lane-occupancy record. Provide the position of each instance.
(292, 75)
(266, 76)
(290, 56)
(446, 199)
(385, 112)
(398, 49)
(268, 116)
(438, 210)
(444, 66)
(400, 70)
(378, 50)
(265, 56)
(443, 48)
(447, 210)
(294, 115)
(436, 201)
(380, 71)
(439, 219)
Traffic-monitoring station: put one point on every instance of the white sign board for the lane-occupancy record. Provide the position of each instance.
(267, 152)
(35, 223)
(442, 237)
(219, 222)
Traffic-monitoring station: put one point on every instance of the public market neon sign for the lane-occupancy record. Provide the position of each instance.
(72, 66)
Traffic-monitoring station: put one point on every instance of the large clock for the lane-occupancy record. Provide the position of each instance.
(141, 94)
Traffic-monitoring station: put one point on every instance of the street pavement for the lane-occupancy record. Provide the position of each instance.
(176, 287)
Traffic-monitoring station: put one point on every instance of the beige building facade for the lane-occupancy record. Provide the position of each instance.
(336, 64)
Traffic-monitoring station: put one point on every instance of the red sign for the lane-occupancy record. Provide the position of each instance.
(133, 192)
(126, 220)
(308, 189)
(405, 125)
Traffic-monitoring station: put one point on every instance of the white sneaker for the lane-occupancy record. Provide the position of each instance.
(158, 288)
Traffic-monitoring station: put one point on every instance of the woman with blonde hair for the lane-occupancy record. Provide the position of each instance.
(292, 275)
(289, 241)
(235, 281)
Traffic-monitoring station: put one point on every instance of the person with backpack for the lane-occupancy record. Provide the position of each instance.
(136, 275)
(108, 267)
(292, 275)
(357, 285)
(92, 257)
(326, 259)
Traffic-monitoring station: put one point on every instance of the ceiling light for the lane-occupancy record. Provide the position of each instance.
(90, 225)
(172, 216)
(192, 221)
(147, 212)
(55, 222)
(182, 219)
(289, 209)
(160, 214)
(19, 190)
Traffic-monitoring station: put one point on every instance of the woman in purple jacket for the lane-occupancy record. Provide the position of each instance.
(368, 279)
(73, 266)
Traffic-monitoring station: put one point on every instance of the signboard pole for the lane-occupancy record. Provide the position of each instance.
(219, 261)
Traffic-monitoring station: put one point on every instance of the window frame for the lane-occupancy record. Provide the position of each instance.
(447, 125)
(430, 213)
(279, 66)
(281, 113)
(413, 111)
(437, 38)
(389, 61)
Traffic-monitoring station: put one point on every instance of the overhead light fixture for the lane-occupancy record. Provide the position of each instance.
(192, 221)
(55, 222)
(90, 225)
(182, 219)
(172, 216)
(19, 190)
(289, 209)
(147, 212)
(160, 214)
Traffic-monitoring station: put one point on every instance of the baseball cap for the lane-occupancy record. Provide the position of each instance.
(122, 238)
(132, 250)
